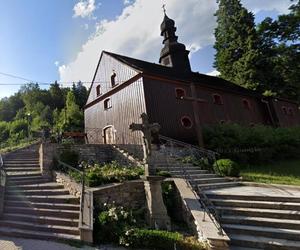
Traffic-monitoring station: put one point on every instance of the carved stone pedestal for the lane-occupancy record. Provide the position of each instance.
(157, 215)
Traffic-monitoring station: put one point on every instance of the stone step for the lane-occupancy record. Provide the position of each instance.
(43, 192)
(42, 186)
(21, 161)
(46, 220)
(14, 232)
(257, 204)
(172, 168)
(266, 213)
(293, 199)
(44, 199)
(31, 181)
(43, 212)
(261, 222)
(22, 169)
(278, 233)
(210, 180)
(195, 177)
(191, 172)
(225, 184)
(263, 242)
(24, 176)
(63, 206)
(39, 227)
(20, 165)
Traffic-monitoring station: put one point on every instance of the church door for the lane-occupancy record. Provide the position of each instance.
(109, 135)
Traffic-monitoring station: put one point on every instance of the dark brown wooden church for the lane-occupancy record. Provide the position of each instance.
(172, 95)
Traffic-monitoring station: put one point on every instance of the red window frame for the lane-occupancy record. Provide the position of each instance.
(284, 110)
(246, 104)
(180, 93)
(185, 119)
(217, 99)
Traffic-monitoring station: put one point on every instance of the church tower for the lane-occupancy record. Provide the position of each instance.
(173, 54)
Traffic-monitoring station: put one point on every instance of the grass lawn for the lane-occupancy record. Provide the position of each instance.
(281, 172)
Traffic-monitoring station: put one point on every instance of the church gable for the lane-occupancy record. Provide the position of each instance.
(109, 74)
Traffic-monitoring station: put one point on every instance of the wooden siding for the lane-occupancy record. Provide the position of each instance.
(127, 105)
(164, 108)
(286, 119)
(108, 65)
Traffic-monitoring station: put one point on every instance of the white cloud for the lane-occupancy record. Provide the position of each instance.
(280, 6)
(136, 32)
(213, 73)
(127, 2)
(84, 8)
(56, 63)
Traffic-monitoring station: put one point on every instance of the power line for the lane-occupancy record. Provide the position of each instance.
(17, 77)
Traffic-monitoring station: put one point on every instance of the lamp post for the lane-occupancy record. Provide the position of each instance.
(28, 124)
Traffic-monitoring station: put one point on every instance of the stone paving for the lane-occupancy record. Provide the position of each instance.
(8, 243)
(261, 190)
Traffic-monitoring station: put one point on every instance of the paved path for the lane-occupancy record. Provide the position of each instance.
(8, 243)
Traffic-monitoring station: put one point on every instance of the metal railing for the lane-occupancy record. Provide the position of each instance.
(177, 149)
(2, 185)
(85, 194)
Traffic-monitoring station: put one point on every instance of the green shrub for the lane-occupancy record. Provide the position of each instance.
(163, 173)
(159, 239)
(226, 167)
(112, 223)
(258, 144)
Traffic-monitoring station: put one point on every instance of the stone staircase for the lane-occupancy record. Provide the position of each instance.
(36, 207)
(197, 176)
(260, 222)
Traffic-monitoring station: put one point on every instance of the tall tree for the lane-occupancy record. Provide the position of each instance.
(236, 44)
(280, 50)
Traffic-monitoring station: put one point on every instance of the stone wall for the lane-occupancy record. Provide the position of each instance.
(129, 194)
(73, 187)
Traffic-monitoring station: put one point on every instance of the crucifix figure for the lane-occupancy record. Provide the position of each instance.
(149, 130)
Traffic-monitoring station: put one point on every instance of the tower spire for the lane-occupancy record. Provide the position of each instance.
(173, 54)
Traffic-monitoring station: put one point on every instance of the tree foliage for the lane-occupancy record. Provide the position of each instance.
(34, 109)
(265, 58)
(236, 44)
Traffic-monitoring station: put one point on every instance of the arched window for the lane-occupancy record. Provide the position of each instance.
(222, 122)
(186, 122)
(290, 111)
(113, 79)
(107, 103)
(180, 93)
(217, 99)
(246, 104)
(284, 110)
(98, 90)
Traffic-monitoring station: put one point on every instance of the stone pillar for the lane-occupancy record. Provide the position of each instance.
(157, 215)
(47, 151)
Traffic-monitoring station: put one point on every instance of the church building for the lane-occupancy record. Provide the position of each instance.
(180, 100)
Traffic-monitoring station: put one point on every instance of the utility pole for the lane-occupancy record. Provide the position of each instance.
(196, 111)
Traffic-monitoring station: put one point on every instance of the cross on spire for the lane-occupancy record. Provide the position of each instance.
(164, 8)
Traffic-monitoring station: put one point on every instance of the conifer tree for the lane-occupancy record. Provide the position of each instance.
(236, 44)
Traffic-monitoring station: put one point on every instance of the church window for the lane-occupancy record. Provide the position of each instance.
(113, 79)
(284, 111)
(186, 122)
(246, 104)
(180, 93)
(107, 103)
(222, 122)
(217, 99)
(98, 90)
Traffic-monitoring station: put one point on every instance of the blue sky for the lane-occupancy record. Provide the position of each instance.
(45, 40)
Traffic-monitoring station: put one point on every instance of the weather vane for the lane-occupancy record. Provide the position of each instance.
(164, 8)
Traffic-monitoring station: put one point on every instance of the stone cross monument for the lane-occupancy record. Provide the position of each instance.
(157, 213)
(148, 131)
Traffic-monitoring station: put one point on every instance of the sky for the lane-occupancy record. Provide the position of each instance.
(44, 41)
